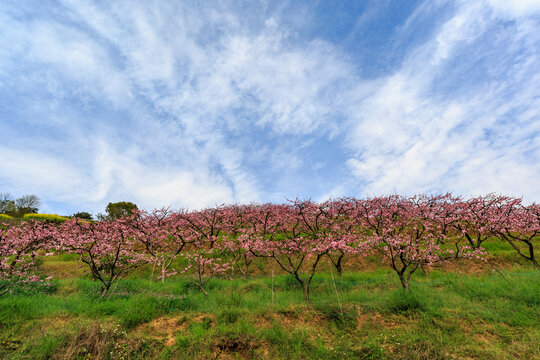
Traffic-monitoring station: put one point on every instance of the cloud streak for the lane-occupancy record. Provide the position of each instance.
(426, 130)
(193, 105)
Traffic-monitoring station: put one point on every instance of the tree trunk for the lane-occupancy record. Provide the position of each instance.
(153, 269)
(306, 291)
(404, 281)
(202, 289)
(105, 289)
(339, 269)
(163, 270)
(531, 254)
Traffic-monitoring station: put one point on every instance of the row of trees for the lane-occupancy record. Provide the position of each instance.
(408, 233)
(29, 204)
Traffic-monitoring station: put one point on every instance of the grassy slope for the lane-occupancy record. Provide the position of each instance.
(447, 314)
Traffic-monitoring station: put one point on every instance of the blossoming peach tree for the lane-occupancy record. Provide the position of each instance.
(108, 248)
(19, 246)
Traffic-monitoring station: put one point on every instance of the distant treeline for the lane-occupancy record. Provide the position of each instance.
(27, 206)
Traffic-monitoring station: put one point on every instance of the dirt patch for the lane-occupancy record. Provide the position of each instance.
(236, 344)
(163, 329)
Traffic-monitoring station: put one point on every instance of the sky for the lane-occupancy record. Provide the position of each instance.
(191, 104)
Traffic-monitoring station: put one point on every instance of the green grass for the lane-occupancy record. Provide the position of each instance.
(445, 315)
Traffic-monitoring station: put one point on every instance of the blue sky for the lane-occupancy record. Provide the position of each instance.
(196, 103)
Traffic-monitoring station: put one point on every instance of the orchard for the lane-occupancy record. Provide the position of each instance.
(407, 233)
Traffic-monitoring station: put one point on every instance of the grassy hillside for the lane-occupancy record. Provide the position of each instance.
(459, 312)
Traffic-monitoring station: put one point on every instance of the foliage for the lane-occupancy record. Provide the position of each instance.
(118, 210)
(83, 215)
(7, 204)
(25, 204)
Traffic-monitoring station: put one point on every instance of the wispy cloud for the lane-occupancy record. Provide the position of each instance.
(197, 104)
(458, 115)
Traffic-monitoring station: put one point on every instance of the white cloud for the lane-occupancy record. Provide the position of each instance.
(515, 8)
(78, 58)
(410, 137)
(31, 171)
(113, 176)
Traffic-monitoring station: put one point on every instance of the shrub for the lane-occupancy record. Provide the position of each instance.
(53, 218)
(83, 215)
